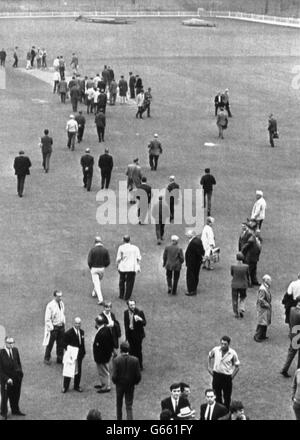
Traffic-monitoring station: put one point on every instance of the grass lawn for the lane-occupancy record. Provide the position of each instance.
(46, 235)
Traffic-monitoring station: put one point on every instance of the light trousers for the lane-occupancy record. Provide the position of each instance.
(104, 375)
(97, 275)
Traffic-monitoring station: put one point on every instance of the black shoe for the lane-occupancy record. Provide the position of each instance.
(18, 413)
(256, 339)
(169, 290)
(98, 386)
(190, 293)
(241, 314)
(78, 389)
(284, 373)
(59, 361)
(103, 391)
(64, 390)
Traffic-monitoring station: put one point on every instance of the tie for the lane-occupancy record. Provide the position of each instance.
(59, 306)
(11, 354)
(79, 339)
(209, 413)
(176, 405)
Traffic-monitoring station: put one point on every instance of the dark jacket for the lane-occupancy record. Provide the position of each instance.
(240, 276)
(115, 330)
(102, 100)
(10, 368)
(47, 143)
(80, 119)
(126, 371)
(167, 404)
(98, 257)
(207, 181)
(148, 190)
(219, 411)
(123, 87)
(103, 346)
(132, 81)
(173, 257)
(106, 162)
(272, 127)
(138, 326)
(63, 86)
(194, 252)
(87, 161)
(251, 250)
(243, 238)
(100, 119)
(22, 165)
(71, 338)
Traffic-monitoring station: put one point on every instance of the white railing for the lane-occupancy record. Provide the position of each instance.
(66, 14)
(268, 19)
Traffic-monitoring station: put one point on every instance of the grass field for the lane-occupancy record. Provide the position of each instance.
(46, 235)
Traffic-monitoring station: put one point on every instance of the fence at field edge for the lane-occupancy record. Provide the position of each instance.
(74, 14)
(268, 19)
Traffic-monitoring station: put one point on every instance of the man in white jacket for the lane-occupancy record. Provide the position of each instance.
(208, 241)
(259, 209)
(55, 321)
(128, 262)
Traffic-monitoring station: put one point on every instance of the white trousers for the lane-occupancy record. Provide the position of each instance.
(97, 275)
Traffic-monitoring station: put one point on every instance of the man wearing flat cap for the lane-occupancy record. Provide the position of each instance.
(172, 262)
(155, 150)
(21, 165)
(259, 209)
(87, 163)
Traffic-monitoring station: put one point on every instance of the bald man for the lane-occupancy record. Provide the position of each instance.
(75, 338)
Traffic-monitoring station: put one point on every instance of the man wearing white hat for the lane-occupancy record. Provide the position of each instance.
(72, 129)
(155, 150)
(259, 209)
(172, 262)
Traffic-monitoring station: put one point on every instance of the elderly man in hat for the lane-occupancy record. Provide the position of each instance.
(259, 209)
(87, 163)
(172, 262)
(155, 150)
(72, 130)
(21, 166)
(134, 178)
(193, 259)
(264, 309)
(98, 260)
(208, 241)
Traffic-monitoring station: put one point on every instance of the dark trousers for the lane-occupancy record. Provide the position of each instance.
(238, 298)
(100, 131)
(87, 179)
(57, 334)
(271, 137)
(71, 139)
(77, 377)
(11, 393)
(46, 161)
(126, 283)
(132, 94)
(192, 278)
(16, 60)
(160, 230)
(252, 272)
(146, 108)
(228, 109)
(105, 178)
(74, 103)
(290, 357)
(55, 88)
(172, 275)
(207, 200)
(2, 63)
(135, 343)
(62, 72)
(153, 161)
(63, 97)
(261, 332)
(128, 392)
(222, 385)
(139, 113)
(80, 133)
(20, 183)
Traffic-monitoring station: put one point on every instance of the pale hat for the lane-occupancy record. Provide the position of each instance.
(87, 150)
(174, 238)
(72, 116)
(155, 135)
(190, 233)
(185, 412)
(259, 193)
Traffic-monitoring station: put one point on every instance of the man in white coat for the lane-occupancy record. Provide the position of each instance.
(259, 209)
(208, 241)
(128, 262)
(55, 321)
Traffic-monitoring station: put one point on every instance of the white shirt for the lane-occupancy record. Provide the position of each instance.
(90, 93)
(174, 403)
(56, 76)
(72, 126)
(224, 364)
(294, 289)
(110, 322)
(211, 409)
(208, 239)
(54, 315)
(140, 99)
(56, 63)
(259, 209)
(96, 94)
(128, 258)
(96, 80)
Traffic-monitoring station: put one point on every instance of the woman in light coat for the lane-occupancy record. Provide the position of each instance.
(208, 241)
(264, 309)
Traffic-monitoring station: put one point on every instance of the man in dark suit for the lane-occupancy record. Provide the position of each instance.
(100, 121)
(175, 402)
(173, 196)
(144, 200)
(46, 147)
(207, 181)
(103, 348)
(193, 259)
(172, 262)
(212, 410)
(134, 323)
(106, 165)
(132, 81)
(21, 165)
(112, 323)
(218, 102)
(81, 125)
(75, 338)
(272, 128)
(87, 163)
(126, 374)
(11, 375)
(102, 101)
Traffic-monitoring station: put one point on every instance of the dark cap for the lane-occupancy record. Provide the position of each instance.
(124, 347)
(136, 160)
